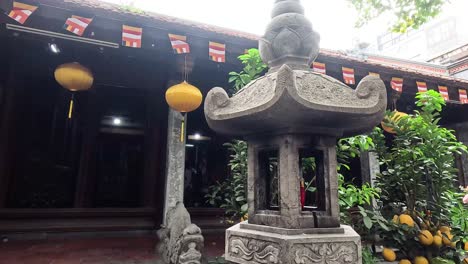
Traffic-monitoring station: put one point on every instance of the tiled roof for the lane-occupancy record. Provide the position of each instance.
(403, 68)
(100, 7)
(104, 8)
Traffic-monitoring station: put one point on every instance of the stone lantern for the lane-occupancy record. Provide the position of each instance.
(288, 115)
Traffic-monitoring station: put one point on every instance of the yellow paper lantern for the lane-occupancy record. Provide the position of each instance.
(395, 117)
(184, 97)
(74, 77)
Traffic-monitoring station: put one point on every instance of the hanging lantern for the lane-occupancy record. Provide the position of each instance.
(395, 116)
(184, 97)
(73, 77)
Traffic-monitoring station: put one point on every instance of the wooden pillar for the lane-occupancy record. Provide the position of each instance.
(85, 177)
(154, 106)
(6, 126)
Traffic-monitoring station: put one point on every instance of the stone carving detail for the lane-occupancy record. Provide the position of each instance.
(289, 36)
(326, 253)
(257, 251)
(180, 242)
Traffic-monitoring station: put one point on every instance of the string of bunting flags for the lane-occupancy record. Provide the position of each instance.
(132, 38)
(77, 25)
(396, 83)
(348, 75)
(21, 12)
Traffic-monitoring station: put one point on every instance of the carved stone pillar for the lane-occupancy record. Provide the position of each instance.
(461, 130)
(175, 160)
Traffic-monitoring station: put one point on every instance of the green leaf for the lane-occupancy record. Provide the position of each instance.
(245, 208)
(367, 222)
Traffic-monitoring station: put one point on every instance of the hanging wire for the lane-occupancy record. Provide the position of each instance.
(184, 71)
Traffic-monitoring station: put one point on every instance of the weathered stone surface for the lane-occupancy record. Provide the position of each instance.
(257, 247)
(289, 36)
(461, 130)
(298, 101)
(180, 241)
(175, 163)
(287, 115)
(286, 231)
(290, 214)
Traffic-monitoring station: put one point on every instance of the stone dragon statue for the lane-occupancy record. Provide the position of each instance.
(180, 241)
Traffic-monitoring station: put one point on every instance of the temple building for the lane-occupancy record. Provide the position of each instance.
(103, 167)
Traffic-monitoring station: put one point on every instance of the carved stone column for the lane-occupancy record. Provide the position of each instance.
(175, 160)
(461, 130)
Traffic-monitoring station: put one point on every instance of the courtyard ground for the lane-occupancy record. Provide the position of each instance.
(113, 250)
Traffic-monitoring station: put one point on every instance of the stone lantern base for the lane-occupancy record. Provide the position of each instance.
(254, 244)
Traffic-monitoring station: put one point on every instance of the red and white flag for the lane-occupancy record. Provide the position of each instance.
(397, 84)
(131, 36)
(463, 96)
(443, 90)
(77, 24)
(21, 12)
(348, 75)
(217, 51)
(179, 44)
(319, 67)
(422, 87)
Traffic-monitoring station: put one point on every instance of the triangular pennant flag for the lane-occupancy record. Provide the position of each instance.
(348, 75)
(217, 52)
(179, 44)
(131, 36)
(463, 96)
(319, 67)
(21, 12)
(77, 24)
(443, 90)
(397, 84)
(374, 74)
(422, 87)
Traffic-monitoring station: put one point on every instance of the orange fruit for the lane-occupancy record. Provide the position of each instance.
(426, 238)
(421, 260)
(388, 254)
(437, 241)
(405, 219)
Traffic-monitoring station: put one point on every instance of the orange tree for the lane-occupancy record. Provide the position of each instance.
(419, 173)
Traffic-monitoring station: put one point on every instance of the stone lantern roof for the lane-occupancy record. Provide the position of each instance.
(291, 98)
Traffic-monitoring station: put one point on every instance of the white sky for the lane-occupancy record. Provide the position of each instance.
(333, 19)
